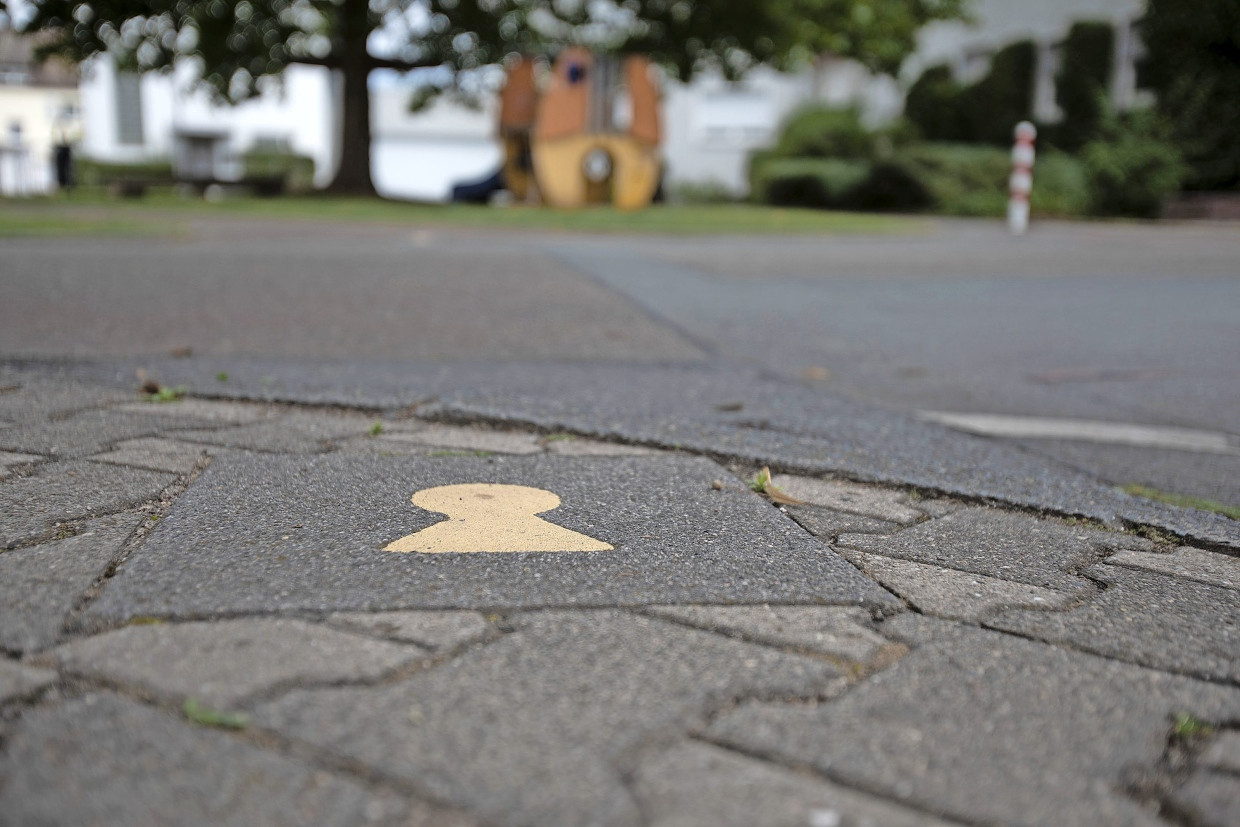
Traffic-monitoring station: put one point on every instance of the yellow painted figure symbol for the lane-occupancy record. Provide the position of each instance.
(491, 517)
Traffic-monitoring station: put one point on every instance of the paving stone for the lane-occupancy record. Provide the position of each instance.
(84, 433)
(41, 584)
(101, 760)
(867, 500)
(211, 410)
(1000, 544)
(1211, 799)
(839, 632)
(437, 631)
(1223, 753)
(1193, 563)
(581, 447)
(1151, 619)
(468, 439)
(222, 662)
(829, 524)
(536, 727)
(262, 534)
(154, 454)
(987, 728)
(693, 784)
(36, 399)
(948, 593)
(295, 432)
(70, 491)
(938, 507)
(20, 681)
(9, 459)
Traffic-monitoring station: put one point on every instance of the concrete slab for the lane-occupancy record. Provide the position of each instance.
(19, 681)
(28, 398)
(70, 491)
(829, 524)
(536, 728)
(102, 760)
(1211, 799)
(277, 533)
(842, 633)
(40, 585)
(81, 434)
(952, 594)
(224, 662)
(1197, 564)
(1001, 544)
(1164, 622)
(212, 410)
(694, 784)
(1223, 753)
(8, 459)
(438, 631)
(154, 454)
(581, 447)
(987, 728)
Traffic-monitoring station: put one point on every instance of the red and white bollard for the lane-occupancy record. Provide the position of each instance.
(1021, 183)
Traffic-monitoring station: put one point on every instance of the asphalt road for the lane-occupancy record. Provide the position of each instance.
(1117, 323)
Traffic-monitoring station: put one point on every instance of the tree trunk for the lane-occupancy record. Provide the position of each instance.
(353, 175)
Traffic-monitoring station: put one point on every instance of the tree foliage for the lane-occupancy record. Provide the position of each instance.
(1193, 65)
(1081, 86)
(238, 44)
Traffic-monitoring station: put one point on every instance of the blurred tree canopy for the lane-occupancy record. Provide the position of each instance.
(238, 44)
(1193, 65)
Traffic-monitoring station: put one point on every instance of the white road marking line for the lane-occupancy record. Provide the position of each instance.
(1087, 430)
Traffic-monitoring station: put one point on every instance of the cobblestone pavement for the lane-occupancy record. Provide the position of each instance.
(201, 625)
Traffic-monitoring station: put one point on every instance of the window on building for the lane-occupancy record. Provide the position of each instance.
(129, 108)
(1050, 60)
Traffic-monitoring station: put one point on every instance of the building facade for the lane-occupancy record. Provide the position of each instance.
(40, 111)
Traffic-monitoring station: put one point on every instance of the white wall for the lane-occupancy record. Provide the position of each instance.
(45, 115)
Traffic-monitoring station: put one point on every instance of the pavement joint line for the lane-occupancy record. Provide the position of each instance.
(155, 509)
(811, 771)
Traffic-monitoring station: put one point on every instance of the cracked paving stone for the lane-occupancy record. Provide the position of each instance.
(956, 595)
(41, 584)
(1208, 567)
(535, 728)
(209, 410)
(19, 681)
(261, 533)
(835, 631)
(987, 728)
(1209, 799)
(1223, 753)
(851, 497)
(1000, 544)
(85, 433)
(102, 760)
(294, 432)
(35, 400)
(154, 454)
(223, 662)
(695, 784)
(69, 491)
(436, 630)
(1150, 619)
(829, 524)
(468, 439)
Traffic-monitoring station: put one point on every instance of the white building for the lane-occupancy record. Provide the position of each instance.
(39, 110)
(167, 116)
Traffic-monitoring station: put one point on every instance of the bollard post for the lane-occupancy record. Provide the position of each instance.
(1020, 185)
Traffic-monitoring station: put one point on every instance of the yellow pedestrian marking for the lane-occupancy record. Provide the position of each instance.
(487, 517)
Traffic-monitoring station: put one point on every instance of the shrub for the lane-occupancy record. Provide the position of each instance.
(770, 177)
(1082, 82)
(273, 171)
(94, 173)
(890, 187)
(933, 105)
(822, 132)
(1132, 167)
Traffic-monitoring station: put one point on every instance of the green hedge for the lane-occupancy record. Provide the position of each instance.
(956, 179)
(278, 171)
(824, 132)
(94, 173)
(986, 111)
(1083, 80)
(1132, 166)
